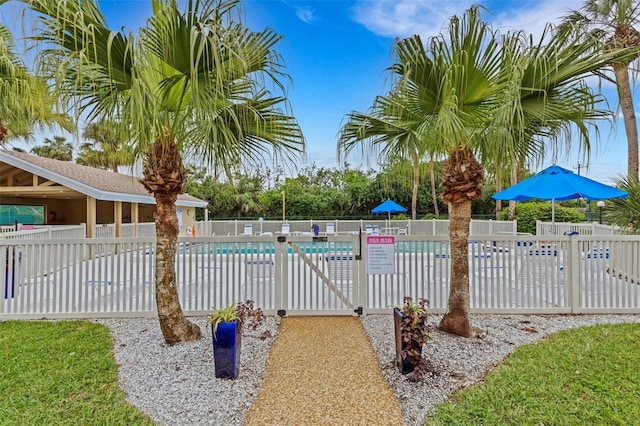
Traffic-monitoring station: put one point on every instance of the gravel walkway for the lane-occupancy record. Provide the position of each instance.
(322, 371)
(175, 385)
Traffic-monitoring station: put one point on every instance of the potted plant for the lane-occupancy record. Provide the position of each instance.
(411, 332)
(226, 330)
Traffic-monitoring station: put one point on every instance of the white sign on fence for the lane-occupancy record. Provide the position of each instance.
(381, 257)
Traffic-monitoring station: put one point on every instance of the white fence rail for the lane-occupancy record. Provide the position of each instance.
(564, 228)
(46, 231)
(319, 275)
(408, 227)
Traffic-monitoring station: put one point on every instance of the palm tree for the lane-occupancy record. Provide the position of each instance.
(110, 149)
(473, 102)
(394, 131)
(539, 111)
(612, 22)
(625, 212)
(25, 99)
(58, 149)
(191, 83)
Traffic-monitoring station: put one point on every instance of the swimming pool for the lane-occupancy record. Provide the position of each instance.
(307, 247)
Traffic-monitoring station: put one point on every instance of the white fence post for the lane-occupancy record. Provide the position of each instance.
(572, 289)
(282, 274)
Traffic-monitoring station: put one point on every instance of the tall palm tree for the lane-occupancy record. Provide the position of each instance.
(25, 100)
(110, 148)
(473, 102)
(58, 149)
(612, 23)
(392, 130)
(540, 108)
(191, 83)
(542, 100)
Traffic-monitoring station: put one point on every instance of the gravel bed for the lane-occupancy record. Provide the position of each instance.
(176, 385)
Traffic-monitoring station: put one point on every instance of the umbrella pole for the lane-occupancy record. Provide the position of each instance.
(553, 216)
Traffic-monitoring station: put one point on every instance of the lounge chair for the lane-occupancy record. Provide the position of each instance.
(330, 229)
(286, 229)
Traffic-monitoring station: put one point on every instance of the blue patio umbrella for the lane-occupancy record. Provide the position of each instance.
(388, 207)
(557, 184)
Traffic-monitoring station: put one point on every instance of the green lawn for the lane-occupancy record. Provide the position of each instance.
(61, 373)
(587, 376)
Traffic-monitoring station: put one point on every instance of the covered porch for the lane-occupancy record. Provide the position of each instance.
(37, 191)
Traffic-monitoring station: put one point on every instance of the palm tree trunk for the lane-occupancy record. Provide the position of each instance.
(462, 179)
(629, 114)
(3, 133)
(514, 180)
(456, 320)
(174, 325)
(164, 177)
(434, 194)
(416, 183)
(498, 189)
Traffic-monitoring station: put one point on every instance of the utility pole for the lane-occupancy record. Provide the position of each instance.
(580, 167)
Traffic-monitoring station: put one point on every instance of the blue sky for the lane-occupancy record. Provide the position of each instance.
(337, 51)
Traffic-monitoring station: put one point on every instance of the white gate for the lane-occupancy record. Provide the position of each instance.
(319, 274)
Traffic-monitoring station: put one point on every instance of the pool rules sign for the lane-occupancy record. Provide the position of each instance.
(381, 257)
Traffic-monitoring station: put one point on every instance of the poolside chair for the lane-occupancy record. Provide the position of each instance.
(260, 278)
(597, 253)
(286, 229)
(340, 268)
(543, 250)
(375, 230)
(248, 229)
(330, 229)
(498, 248)
(368, 229)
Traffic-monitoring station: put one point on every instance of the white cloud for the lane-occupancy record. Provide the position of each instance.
(403, 18)
(533, 20)
(305, 15)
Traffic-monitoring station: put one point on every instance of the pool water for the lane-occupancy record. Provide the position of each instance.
(309, 247)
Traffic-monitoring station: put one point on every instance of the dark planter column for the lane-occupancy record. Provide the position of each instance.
(226, 349)
(408, 364)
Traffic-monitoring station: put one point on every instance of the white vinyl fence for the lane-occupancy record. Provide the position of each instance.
(46, 231)
(331, 274)
(565, 228)
(396, 227)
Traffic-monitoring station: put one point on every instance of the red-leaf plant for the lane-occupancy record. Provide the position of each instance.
(415, 332)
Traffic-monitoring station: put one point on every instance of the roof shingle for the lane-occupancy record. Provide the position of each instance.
(100, 184)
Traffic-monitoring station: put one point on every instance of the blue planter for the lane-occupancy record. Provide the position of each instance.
(226, 349)
(408, 364)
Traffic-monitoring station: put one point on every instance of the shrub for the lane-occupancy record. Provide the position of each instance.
(528, 213)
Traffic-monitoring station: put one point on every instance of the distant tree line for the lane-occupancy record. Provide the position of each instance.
(318, 192)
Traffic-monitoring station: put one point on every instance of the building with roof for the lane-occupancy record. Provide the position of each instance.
(67, 193)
